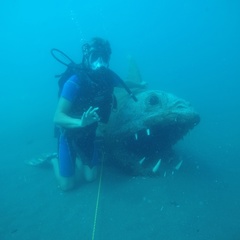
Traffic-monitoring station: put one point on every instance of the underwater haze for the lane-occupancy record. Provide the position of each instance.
(188, 48)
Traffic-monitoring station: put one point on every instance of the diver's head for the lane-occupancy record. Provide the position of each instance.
(96, 54)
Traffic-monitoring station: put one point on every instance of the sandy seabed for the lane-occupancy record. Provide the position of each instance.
(196, 202)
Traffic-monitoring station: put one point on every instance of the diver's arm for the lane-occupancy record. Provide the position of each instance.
(62, 118)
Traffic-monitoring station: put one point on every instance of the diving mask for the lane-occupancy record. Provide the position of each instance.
(98, 60)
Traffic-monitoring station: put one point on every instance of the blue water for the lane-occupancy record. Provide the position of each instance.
(189, 48)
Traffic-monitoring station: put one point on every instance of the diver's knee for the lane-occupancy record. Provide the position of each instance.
(66, 184)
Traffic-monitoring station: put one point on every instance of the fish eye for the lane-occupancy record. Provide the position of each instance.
(153, 100)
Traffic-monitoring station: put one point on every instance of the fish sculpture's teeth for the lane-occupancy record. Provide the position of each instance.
(179, 165)
(156, 167)
(148, 131)
(142, 160)
(136, 136)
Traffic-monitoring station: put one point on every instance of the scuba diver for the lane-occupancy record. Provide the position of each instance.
(83, 110)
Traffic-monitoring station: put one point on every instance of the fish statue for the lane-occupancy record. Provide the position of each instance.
(141, 134)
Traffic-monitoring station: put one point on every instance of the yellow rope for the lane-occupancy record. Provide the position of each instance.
(97, 202)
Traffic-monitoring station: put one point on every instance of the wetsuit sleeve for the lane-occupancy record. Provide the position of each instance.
(71, 89)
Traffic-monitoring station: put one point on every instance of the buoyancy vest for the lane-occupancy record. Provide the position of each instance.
(96, 90)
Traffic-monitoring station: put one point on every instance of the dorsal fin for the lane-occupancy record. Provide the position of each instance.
(133, 71)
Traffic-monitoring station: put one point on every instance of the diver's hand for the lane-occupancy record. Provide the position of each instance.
(89, 117)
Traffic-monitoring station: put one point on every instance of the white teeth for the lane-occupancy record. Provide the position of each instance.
(148, 131)
(136, 136)
(156, 167)
(142, 160)
(179, 165)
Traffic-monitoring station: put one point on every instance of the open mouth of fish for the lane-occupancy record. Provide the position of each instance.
(150, 146)
(156, 136)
